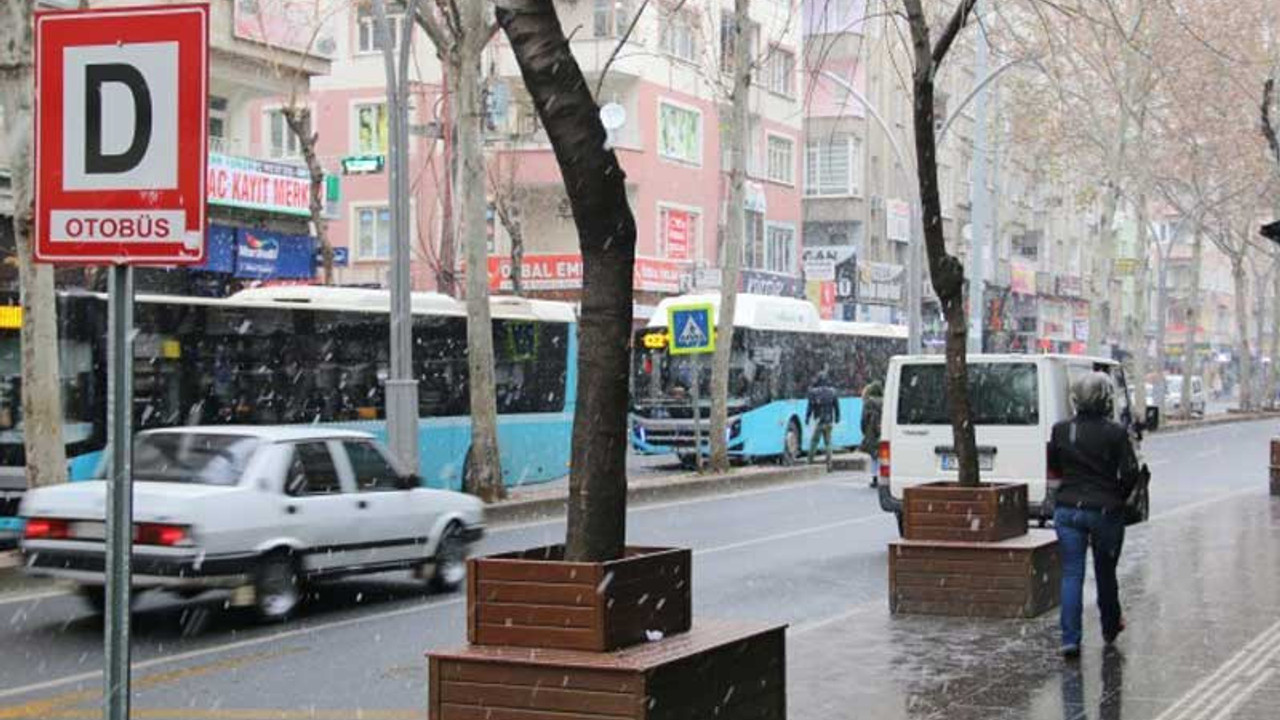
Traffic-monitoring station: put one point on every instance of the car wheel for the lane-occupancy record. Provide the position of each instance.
(450, 560)
(95, 596)
(277, 587)
(688, 461)
(791, 443)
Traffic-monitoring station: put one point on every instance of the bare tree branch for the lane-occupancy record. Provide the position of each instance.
(958, 20)
(635, 19)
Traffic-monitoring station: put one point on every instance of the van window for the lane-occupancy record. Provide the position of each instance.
(1000, 393)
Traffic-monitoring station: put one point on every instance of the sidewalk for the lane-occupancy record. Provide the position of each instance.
(1200, 587)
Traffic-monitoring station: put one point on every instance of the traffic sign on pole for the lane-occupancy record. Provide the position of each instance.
(121, 151)
(121, 135)
(691, 329)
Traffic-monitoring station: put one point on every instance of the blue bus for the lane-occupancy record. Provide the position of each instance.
(780, 346)
(304, 355)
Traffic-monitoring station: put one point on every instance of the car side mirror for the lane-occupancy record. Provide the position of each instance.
(1153, 418)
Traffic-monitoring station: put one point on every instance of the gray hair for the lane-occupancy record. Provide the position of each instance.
(1094, 394)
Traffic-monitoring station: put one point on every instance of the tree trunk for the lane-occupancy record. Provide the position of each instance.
(516, 233)
(46, 457)
(1259, 332)
(1240, 282)
(1138, 322)
(1162, 317)
(1193, 319)
(447, 257)
(596, 187)
(735, 231)
(1273, 377)
(299, 121)
(945, 271)
(484, 470)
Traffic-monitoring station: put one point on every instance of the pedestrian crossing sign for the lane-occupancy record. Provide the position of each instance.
(691, 329)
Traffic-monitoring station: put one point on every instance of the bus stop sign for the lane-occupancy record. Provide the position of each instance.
(691, 329)
(121, 135)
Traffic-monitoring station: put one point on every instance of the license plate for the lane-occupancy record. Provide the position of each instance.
(950, 461)
(89, 530)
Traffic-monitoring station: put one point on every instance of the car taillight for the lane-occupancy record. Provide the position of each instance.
(47, 529)
(884, 459)
(159, 534)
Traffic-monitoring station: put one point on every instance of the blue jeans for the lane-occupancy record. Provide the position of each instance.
(1078, 530)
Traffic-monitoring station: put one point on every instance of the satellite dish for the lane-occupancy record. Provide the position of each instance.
(613, 116)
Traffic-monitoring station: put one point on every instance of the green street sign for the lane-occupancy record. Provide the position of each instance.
(363, 164)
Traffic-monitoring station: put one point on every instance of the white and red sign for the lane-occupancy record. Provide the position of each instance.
(677, 235)
(564, 272)
(258, 185)
(121, 133)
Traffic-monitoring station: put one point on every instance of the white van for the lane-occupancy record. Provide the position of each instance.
(1017, 399)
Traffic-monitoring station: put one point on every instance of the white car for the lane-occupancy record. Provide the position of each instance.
(259, 510)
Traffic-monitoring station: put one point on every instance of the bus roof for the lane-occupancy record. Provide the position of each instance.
(1007, 358)
(374, 300)
(769, 312)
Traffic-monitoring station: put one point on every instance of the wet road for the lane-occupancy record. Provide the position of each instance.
(1201, 581)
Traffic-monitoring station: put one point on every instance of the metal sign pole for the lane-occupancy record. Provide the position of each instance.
(697, 411)
(119, 529)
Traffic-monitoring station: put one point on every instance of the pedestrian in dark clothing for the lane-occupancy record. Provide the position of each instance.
(872, 404)
(1095, 459)
(824, 412)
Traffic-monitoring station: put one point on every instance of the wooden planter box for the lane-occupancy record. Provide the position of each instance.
(1275, 480)
(947, 511)
(721, 671)
(534, 599)
(1016, 578)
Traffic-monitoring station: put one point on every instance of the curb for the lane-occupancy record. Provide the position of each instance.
(1228, 419)
(9, 560)
(648, 491)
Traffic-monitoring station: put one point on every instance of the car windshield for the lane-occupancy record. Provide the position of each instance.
(197, 458)
(999, 394)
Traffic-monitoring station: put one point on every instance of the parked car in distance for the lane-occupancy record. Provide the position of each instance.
(259, 510)
(1015, 401)
(1173, 395)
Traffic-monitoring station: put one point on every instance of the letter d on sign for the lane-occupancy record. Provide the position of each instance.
(120, 117)
(95, 76)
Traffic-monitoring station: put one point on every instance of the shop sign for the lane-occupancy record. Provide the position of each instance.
(677, 231)
(1022, 278)
(761, 282)
(881, 283)
(820, 262)
(252, 184)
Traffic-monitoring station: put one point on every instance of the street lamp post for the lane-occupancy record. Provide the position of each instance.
(915, 278)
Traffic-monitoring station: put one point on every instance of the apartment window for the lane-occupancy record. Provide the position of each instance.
(781, 160)
(373, 233)
(833, 16)
(371, 129)
(753, 240)
(679, 34)
(780, 72)
(829, 165)
(284, 143)
(680, 133)
(368, 39)
(780, 249)
(727, 38)
(612, 17)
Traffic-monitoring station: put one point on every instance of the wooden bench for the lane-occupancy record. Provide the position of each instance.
(1018, 577)
(727, 671)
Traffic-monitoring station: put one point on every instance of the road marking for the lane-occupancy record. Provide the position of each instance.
(243, 714)
(49, 707)
(794, 533)
(1224, 683)
(33, 596)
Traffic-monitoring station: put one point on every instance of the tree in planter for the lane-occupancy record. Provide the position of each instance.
(46, 458)
(296, 112)
(595, 185)
(945, 270)
(460, 32)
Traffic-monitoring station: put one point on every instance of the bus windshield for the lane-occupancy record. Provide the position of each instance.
(661, 378)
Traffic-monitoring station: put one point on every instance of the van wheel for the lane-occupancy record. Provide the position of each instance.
(277, 587)
(688, 461)
(791, 444)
